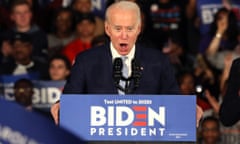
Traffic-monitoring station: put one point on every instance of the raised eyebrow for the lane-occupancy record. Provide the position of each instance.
(133, 26)
(130, 27)
(117, 26)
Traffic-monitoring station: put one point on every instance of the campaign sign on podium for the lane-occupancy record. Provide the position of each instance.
(130, 117)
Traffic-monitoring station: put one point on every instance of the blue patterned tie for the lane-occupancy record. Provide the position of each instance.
(124, 73)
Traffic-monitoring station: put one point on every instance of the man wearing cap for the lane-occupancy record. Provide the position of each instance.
(22, 61)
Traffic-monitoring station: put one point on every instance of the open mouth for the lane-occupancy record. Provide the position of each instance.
(123, 45)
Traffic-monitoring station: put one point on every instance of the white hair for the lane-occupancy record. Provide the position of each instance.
(123, 5)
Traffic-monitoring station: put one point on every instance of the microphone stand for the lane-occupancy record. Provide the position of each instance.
(135, 76)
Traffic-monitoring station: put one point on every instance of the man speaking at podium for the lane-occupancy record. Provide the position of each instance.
(122, 66)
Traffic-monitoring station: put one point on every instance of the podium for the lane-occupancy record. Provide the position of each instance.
(130, 118)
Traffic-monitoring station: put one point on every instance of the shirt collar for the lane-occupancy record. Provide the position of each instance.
(26, 66)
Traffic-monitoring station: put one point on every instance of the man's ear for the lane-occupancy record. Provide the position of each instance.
(106, 25)
(139, 29)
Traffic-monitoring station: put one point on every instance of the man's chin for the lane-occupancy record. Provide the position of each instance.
(123, 51)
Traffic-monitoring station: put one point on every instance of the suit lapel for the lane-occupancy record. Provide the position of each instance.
(138, 59)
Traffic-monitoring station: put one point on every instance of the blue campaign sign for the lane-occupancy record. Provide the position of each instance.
(13, 78)
(98, 7)
(130, 117)
(19, 126)
(45, 92)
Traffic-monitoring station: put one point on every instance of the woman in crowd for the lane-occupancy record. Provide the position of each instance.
(62, 33)
(59, 68)
(221, 39)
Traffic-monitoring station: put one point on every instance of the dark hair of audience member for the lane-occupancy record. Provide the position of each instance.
(57, 12)
(67, 64)
(19, 2)
(62, 57)
(24, 80)
(232, 29)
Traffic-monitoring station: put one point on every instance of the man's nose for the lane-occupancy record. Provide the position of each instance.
(124, 34)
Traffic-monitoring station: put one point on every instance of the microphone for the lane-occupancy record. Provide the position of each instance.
(117, 70)
(117, 75)
(136, 73)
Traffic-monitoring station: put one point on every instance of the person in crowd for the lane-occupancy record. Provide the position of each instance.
(59, 68)
(62, 33)
(200, 16)
(85, 27)
(23, 62)
(209, 131)
(188, 86)
(186, 83)
(21, 15)
(229, 110)
(222, 38)
(207, 85)
(23, 94)
(92, 72)
(205, 10)
(178, 55)
(85, 6)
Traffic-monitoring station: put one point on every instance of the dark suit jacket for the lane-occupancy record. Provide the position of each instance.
(92, 73)
(230, 108)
